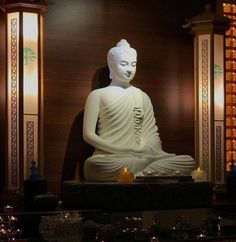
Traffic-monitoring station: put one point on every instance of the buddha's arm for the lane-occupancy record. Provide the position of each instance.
(150, 135)
(91, 113)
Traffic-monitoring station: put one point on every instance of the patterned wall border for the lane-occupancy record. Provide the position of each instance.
(218, 151)
(30, 142)
(13, 105)
(205, 114)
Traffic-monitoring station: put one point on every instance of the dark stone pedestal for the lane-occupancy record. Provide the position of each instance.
(112, 196)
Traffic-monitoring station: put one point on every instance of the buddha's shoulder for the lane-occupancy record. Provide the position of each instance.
(106, 90)
(98, 91)
(143, 93)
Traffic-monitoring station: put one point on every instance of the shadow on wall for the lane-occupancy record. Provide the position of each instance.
(78, 150)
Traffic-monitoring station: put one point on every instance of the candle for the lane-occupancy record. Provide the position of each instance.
(3, 233)
(12, 219)
(125, 176)
(8, 208)
(18, 233)
(199, 175)
(201, 236)
(177, 173)
(154, 239)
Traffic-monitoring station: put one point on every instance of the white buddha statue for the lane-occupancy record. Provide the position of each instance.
(119, 122)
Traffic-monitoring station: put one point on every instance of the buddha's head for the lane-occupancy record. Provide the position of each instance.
(122, 61)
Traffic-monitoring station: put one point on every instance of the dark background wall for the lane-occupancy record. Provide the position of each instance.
(78, 35)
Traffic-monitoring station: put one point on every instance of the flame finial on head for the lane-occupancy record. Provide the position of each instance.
(123, 44)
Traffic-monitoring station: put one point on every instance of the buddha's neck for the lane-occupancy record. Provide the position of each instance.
(121, 84)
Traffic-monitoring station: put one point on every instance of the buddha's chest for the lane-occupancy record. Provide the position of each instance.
(115, 99)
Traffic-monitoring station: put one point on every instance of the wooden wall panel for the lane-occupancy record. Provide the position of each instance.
(2, 101)
(78, 35)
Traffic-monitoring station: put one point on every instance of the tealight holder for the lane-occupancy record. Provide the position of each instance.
(8, 209)
(199, 175)
(154, 239)
(176, 173)
(125, 176)
(149, 173)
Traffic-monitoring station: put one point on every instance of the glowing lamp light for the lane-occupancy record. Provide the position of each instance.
(8, 208)
(219, 97)
(125, 176)
(199, 175)
(30, 51)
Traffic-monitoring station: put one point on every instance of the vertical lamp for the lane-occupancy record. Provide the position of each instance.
(24, 42)
(209, 30)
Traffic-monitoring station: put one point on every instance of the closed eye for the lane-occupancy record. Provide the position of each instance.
(124, 63)
(133, 64)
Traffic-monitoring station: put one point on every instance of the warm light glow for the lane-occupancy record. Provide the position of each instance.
(219, 77)
(125, 176)
(30, 42)
(30, 26)
(199, 175)
(31, 87)
(219, 97)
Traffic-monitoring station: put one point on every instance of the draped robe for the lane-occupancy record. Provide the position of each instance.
(127, 120)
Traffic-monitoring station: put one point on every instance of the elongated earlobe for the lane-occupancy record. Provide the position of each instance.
(110, 68)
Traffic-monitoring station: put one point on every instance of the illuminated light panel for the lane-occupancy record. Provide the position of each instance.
(30, 49)
(31, 88)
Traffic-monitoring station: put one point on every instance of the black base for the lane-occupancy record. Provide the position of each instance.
(112, 196)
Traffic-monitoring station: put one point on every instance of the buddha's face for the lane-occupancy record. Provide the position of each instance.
(123, 67)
